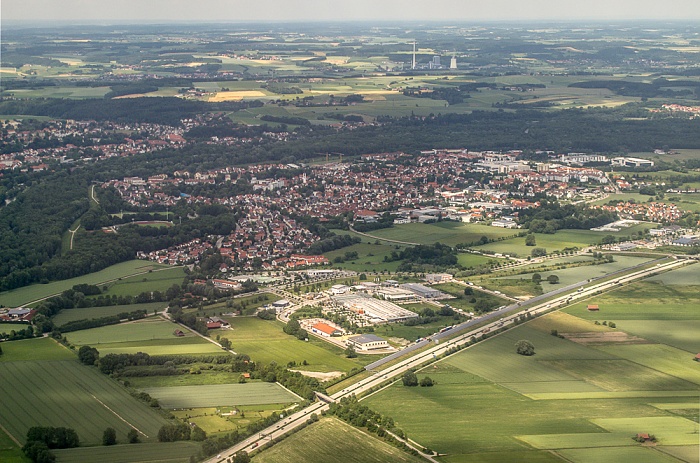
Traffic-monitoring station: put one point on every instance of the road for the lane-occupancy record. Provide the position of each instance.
(497, 320)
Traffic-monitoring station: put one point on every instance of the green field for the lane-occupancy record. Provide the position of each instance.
(66, 393)
(265, 342)
(219, 395)
(152, 335)
(69, 315)
(558, 241)
(9, 451)
(163, 452)
(35, 349)
(370, 257)
(154, 281)
(20, 296)
(329, 441)
(684, 276)
(682, 334)
(451, 233)
(654, 301)
(572, 275)
(568, 398)
(616, 455)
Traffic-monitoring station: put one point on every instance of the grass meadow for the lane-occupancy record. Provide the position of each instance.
(24, 295)
(69, 315)
(451, 233)
(153, 336)
(579, 402)
(219, 395)
(264, 341)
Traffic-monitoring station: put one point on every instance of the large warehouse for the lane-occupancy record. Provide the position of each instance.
(374, 310)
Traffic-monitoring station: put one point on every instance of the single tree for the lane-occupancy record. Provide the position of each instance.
(530, 240)
(426, 382)
(132, 436)
(109, 437)
(524, 347)
(350, 353)
(536, 277)
(553, 279)
(409, 379)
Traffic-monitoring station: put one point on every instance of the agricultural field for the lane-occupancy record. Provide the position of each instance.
(69, 315)
(558, 241)
(571, 275)
(159, 280)
(331, 440)
(265, 342)
(24, 295)
(451, 233)
(571, 399)
(220, 395)
(9, 450)
(153, 336)
(35, 349)
(162, 452)
(66, 393)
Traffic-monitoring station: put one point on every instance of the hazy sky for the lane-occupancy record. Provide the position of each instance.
(339, 10)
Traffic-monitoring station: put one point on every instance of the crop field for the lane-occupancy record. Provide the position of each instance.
(451, 233)
(206, 377)
(684, 276)
(69, 315)
(162, 452)
(153, 336)
(616, 455)
(558, 241)
(642, 301)
(35, 349)
(572, 275)
(330, 441)
(21, 296)
(265, 342)
(213, 395)
(66, 393)
(682, 334)
(574, 400)
(155, 281)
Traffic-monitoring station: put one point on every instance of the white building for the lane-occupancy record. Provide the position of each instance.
(367, 342)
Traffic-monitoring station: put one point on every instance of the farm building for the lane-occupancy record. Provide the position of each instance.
(178, 333)
(697, 358)
(367, 342)
(220, 321)
(593, 307)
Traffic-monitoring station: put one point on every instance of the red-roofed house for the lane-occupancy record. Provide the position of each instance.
(325, 330)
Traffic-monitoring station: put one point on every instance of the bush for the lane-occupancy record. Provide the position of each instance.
(426, 382)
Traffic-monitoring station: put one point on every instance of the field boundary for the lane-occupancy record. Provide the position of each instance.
(13, 438)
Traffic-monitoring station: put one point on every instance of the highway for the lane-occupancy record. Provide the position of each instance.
(498, 320)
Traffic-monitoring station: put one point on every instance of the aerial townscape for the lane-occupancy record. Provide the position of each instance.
(372, 232)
